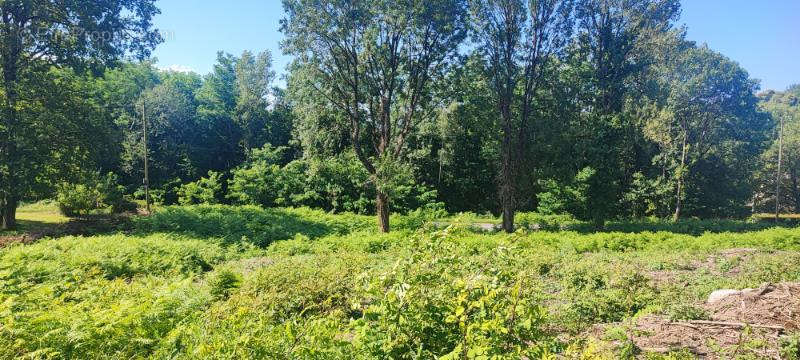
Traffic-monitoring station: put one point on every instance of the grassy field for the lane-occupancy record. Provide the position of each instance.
(244, 282)
(37, 216)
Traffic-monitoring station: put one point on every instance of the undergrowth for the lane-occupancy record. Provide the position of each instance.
(227, 282)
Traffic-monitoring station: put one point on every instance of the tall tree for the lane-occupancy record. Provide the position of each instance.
(782, 107)
(375, 62)
(35, 34)
(254, 77)
(711, 104)
(174, 138)
(615, 38)
(519, 39)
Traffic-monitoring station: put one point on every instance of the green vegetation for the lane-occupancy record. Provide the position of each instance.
(578, 127)
(601, 121)
(234, 282)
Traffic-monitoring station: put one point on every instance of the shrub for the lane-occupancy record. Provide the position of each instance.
(96, 194)
(537, 221)
(256, 182)
(207, 190)
(566, 198)
(338, 184)
(223, 282)
(77, 199)
(112, 194)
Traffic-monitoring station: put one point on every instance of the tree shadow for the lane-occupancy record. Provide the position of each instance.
(29, 231)
(246, 224)
(694, 227)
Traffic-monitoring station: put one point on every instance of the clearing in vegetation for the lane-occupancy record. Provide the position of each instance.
(246, 282)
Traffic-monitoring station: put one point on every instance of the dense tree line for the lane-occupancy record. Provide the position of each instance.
(596, 108)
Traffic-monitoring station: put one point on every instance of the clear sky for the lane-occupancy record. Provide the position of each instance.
(763, 36)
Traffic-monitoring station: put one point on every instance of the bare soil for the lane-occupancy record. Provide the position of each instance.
(751, 322)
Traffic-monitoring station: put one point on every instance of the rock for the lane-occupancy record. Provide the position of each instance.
(721, 294)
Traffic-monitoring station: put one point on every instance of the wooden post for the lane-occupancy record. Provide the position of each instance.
(146, 175)
(778, 175)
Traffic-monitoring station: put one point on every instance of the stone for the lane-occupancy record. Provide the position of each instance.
(721, 294)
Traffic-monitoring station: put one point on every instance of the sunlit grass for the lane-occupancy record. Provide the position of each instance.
(37, 216)
(43, 212)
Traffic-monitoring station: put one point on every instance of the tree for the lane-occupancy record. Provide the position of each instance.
(172, 131)
(35, 34)
(375, 61)
(783, 107)
(711, 105)
(518, 40)
(459, 152)
(253, 79)
(616, 40)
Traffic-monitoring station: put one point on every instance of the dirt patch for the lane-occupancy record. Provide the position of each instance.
(775, 305)
(747, 322)
(253, 264)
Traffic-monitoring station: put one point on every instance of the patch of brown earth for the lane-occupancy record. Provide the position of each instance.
(775, 305)
(750, 322)
(253, 264)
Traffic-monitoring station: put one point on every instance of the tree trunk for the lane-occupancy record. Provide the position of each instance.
(9, 188)
(8, 214)
(508, 218)
(382, 202)
(681, 174)
(778, 174)
(507, 179)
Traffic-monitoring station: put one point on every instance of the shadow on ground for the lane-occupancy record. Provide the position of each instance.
(248, 224)
(29, 231)
(688, 226)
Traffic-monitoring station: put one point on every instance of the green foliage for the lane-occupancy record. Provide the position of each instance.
(207, 190)
(790, 347)
(223, 282)
(248, 224)
(40, 88)
(258, 181)
(77, 199)
(538, 221)
(571, 198)
(190, 282)
(683, 312)
(112, 195)
(648, 197)
(338, 184)
(97, 194)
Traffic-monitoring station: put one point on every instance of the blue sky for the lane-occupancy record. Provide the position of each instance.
(763, 36)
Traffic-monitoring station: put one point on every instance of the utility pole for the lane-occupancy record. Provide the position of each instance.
(146, 175)
(778, 175)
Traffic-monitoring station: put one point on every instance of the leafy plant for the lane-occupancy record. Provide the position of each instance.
(207, 190)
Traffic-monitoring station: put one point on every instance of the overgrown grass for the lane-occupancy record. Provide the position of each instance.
(245, 282)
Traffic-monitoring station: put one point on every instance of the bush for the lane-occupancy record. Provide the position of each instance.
(97, 194)
(537, 221)
(257, 181)
(223, 282)
(207, 190)
(77, 199)
(337, 184)
(113, 196)
(790, 347)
